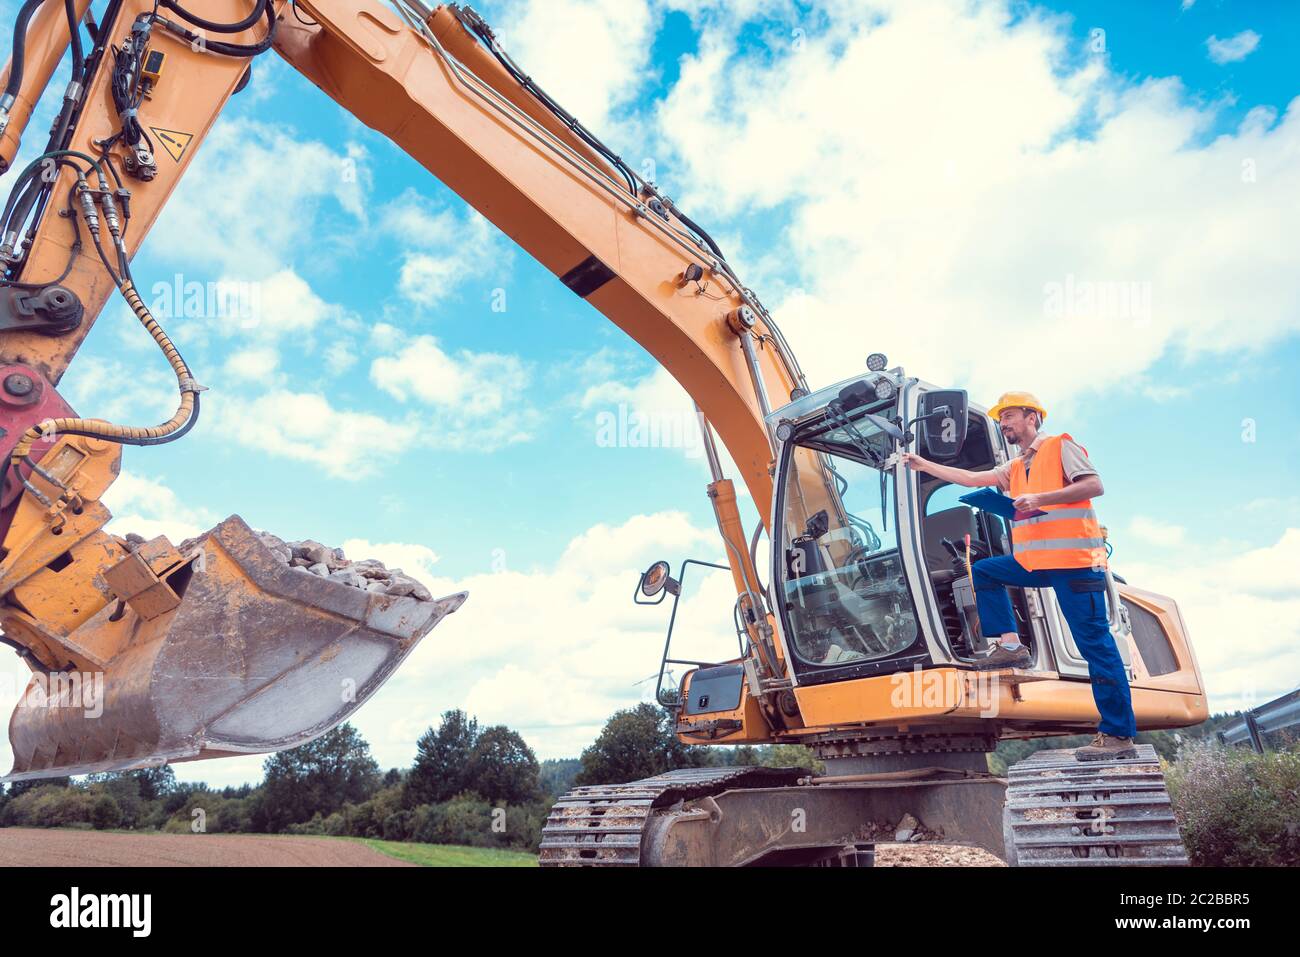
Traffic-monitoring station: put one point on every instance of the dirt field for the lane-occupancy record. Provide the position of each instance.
(20, 847)
(56, 848)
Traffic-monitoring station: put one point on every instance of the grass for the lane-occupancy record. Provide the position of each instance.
(449, 855)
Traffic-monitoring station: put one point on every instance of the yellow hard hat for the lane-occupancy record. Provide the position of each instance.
(1017, 400)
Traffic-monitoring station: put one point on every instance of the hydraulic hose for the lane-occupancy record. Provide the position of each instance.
(180, 423)
(212, 27)
(17, 62)
(220, 46)
(74, 34)
(188, 407)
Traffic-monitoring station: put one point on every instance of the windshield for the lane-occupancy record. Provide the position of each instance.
(845, 590)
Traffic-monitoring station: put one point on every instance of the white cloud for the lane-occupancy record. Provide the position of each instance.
(476, 399)
(481, 383)
(143, 391)
(284, 304)
(252, 365)
(443, 250)
(552, 652)
(954, 181)
(1243, 615)
(415, 560)
(615, 37)
(1157, 533)
(305, 427)
(650, 412)
(267, 190)
(340, 356)
(1234, 48)
(150, 507)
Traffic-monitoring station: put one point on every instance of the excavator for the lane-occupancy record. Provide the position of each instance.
(856, 636)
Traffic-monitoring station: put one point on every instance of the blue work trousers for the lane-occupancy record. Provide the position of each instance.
(1081, 593)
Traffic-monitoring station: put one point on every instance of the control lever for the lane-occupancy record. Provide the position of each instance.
(978, 550)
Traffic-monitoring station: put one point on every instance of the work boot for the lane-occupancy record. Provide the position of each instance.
(1000, 656)
(1106, 746)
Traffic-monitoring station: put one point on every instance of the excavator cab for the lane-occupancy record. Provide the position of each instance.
(840, 568)
(871, 560)
(871, 569)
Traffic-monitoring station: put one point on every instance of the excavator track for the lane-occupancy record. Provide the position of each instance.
(603, 825)
(1063, 812)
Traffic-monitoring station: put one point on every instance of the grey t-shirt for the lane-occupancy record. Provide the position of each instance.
(1074, 462)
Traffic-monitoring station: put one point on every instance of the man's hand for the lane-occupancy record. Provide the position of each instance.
(914, 461)
(1029, 503)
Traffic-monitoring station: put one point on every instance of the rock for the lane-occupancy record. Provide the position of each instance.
(312, 558)
(279, 549)
(348, 577)
(401, 587)
(371, 569)
(314, 552)
(404, 585)
(906, 828)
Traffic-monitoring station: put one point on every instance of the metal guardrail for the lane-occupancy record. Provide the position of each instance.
(1250, 728)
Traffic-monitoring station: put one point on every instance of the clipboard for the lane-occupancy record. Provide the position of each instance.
(991, 500)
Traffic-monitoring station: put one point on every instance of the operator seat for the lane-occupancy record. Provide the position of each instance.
(952, 523)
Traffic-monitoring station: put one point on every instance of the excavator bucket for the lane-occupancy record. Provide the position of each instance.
(218, 648)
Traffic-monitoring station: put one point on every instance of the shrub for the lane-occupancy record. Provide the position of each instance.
(219, 815)
(1237, 808)
(397, 826)
(315, 826)
(467, 819)
(49, 805)
(104, 812)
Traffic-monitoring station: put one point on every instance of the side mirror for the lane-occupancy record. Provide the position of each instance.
(943, 421)
(656, 583)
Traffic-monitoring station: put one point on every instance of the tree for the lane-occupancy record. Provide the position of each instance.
(321, 775)
(637, 743)
(21, 787)
(557, 774)
(502, 768)
(148, 784)
(442, 759)
(155, 782)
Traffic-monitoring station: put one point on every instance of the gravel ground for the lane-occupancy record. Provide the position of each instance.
(934, 855)
(67, 848)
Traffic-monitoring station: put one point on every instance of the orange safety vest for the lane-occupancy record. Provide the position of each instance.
(1068, 536)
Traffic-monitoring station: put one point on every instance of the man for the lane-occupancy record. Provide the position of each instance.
(1061, 548)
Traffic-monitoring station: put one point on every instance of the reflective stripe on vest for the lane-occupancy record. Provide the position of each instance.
(1057, 515)
(1068, 535)
(1044, 543)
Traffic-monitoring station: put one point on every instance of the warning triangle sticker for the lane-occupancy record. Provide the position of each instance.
(172, 141)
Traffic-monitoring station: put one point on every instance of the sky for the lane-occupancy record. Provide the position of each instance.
(1092, 201)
